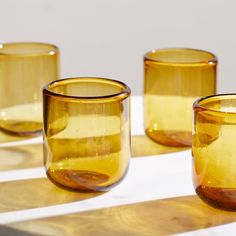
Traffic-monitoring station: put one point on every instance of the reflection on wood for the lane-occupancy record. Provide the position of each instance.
(33, 193)
(159, 217)
(141, 145)
(21, 157)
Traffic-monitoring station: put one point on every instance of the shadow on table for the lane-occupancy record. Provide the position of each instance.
(141, 145)
(21, 157)
(34, 193)
(158, 217)
(8, 231)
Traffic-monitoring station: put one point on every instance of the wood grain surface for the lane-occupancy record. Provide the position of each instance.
(158, 217)
(34, 193)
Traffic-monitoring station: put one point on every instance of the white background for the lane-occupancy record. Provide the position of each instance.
(109, 37)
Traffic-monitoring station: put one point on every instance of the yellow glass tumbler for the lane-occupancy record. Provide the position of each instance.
(24, 69)
(86, 133)
(173, 80)
(214, 150)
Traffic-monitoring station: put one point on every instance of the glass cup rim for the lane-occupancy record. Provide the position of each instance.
(120, 96)
(213, 60)
(196, 104)
(53, 49)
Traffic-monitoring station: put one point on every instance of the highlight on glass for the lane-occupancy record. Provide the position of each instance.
(214, 150)
(24, 69)
(173, 79)
(86, 133)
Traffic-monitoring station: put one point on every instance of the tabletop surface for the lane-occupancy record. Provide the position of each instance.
(155, 198)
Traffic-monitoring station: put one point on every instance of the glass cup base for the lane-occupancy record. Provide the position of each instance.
(170, 138)
(221, 198)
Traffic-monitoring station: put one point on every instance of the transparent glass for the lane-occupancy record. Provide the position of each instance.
(173, 80)
(214, 150)
(86, 133)
(24, 69)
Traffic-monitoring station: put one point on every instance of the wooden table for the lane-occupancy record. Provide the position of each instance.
(155, 198)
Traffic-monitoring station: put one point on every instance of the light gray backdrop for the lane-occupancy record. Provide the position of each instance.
(109, 37)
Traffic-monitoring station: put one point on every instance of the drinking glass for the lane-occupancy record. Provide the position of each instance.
(214, 150)
(86, 133)
(173, 79)
(24, 69)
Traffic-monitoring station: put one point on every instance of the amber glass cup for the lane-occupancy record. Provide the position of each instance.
(214, 150)
(24, 69)
(86, 133)
(173, 80)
